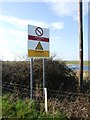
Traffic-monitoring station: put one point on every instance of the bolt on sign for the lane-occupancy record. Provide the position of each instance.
(38, 41)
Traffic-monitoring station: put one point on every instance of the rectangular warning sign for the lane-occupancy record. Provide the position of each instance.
(38, 41)
(38, 53)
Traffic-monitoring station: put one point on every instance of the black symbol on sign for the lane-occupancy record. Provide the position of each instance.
(39, 46)
(39, 31)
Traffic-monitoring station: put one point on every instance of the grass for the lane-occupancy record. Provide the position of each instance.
(87, 63)
(27, 109)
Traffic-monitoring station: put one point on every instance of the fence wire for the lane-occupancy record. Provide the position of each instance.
(72, 104)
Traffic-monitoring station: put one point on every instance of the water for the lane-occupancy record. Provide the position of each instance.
(76, 67)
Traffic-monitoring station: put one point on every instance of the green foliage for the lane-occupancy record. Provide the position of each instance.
(54, 116)
(25, 109)
(77, 62)
(19, 108)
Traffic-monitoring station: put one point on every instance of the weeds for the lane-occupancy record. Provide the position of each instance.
(26, 109)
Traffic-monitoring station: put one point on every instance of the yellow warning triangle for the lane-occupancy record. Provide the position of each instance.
(39, 46)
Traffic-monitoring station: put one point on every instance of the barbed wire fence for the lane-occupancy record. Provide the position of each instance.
(72, 104)
(16, 91)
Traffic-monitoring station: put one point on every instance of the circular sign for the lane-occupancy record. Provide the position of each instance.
(39, 31)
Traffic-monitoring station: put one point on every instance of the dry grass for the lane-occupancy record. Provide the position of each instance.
(86, 74)
(80, 108)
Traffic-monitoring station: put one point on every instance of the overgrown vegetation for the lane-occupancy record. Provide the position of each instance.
(15, 79)
(27, 109)
(13, 107)
(58, 75)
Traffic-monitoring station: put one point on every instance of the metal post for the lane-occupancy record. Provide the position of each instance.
(43, 74)
(31, 78)
(81, 44)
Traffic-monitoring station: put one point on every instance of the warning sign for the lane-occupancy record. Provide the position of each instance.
(39, 46)
(38, 41)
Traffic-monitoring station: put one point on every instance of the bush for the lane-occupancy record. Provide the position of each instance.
(58, 75)
(15, 72)
(18, 108)
(25, 109)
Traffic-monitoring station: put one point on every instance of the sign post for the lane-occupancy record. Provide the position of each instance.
(38, 46)
(31, 78)
(43, 75)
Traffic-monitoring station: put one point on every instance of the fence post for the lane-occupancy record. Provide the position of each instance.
(45, 90)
